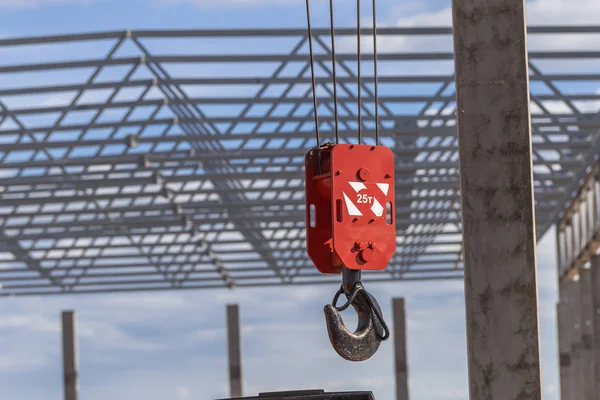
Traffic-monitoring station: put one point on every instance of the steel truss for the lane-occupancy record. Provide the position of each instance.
(159, 160)
(578, 229)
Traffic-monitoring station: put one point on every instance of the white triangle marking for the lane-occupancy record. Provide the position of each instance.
(357, 186)
(385, 187)
(377, 208)
(352, 209)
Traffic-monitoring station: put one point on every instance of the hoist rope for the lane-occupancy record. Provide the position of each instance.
(312, 69)
(359, 75)
(375, 73)
(334, 73)
(335, 99)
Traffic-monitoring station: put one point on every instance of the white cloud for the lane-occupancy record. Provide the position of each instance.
(538, 12)
(31, 323)
(23, 359)
(563, 12)
(183, 392)
(107, 335)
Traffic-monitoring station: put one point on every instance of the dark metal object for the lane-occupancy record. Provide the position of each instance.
(350, 277)
(364, 342)
(313, 395)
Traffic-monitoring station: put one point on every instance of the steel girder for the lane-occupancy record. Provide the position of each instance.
(161, 160)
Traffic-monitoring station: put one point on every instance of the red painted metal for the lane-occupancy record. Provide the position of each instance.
(319, 212)
(349, 193)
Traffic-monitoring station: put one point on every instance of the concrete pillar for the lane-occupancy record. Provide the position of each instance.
(569, 335)
(595, 271)
(559, 251)
(564, 349)
(494, 138)
(400, 349)
(574, 301)
(587, 335)
(234, 350)
(69, 347)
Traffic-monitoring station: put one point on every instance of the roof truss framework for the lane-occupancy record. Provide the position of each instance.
(174, 159)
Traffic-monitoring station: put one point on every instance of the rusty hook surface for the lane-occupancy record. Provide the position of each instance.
(364, 342)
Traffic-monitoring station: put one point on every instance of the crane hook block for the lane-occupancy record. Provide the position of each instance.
(350, 210)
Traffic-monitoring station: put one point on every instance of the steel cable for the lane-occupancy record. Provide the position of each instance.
(375, 73)
(312, 68)
(334, 73)
(335, 98)
(359, 74)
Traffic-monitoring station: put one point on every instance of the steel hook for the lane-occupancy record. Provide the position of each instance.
(364, 342)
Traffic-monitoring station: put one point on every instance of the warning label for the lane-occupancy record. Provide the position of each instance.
(366, 200)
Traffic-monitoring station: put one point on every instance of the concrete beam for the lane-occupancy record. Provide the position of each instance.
(401, 366)
(234, 350)
(69, 346)
(494, 134)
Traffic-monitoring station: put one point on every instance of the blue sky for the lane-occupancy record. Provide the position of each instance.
(156, 346)
(39, 17)
(53, 16)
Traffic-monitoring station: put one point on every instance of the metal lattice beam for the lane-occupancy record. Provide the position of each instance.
(161, 160)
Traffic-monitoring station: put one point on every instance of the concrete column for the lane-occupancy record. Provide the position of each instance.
(494, 138)
(234, 350)
(595, 202)
(595, 271)
(560, 254)
(574, 302)
(564, 349)
(69, 346)
(400, 349)
(569, 335)
(588, 362)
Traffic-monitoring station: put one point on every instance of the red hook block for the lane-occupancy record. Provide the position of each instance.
(350, 212)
